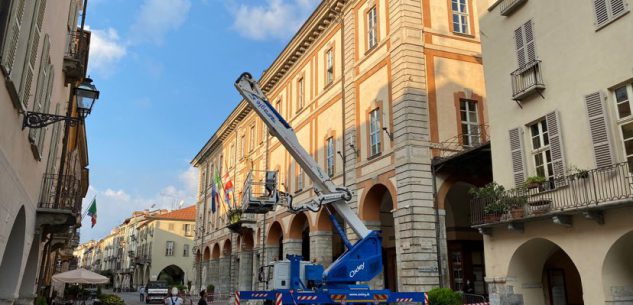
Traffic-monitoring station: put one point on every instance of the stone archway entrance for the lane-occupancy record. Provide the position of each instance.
(299, 237)
(617, 271)
(172, 274)
(376, 212)
(465, 246)
(11, 264)
(543, 274)
(274, 242)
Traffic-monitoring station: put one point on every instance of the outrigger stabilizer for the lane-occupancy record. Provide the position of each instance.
(295, 281)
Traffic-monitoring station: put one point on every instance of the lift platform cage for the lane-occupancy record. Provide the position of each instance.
(260, 195)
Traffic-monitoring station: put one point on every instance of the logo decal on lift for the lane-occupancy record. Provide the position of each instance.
(358, 269)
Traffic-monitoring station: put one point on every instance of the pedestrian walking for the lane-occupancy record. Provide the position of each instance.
(173, 298)
(203, 297)
(141, 291)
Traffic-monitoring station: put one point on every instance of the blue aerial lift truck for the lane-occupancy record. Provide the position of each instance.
(300, 282)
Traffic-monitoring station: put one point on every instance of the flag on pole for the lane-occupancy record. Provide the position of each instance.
(92, 212)
(228, 188)
(214, 190)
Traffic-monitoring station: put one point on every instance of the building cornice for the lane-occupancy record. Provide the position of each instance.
(319, 21)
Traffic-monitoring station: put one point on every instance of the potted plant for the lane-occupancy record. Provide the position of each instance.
(516, 205)
(490, 196)
(578, 173)
(493, 210)
(444, 296)
(534, 181)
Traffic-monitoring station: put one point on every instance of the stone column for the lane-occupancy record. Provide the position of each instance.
(271, 253)
(224, 275)
(415, 218)
(321, 247)
(246, 270)
(257, 261)
(212, 274)
(377, 282)
(292, 246)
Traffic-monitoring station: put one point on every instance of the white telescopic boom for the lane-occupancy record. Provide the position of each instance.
(280, 129)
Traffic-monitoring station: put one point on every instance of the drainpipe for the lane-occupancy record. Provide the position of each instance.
(437, 228)
(344, 153)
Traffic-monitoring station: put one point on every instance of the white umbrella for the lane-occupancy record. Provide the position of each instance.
(80, 276)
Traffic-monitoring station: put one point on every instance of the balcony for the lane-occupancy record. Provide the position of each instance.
(60, 202)
(587, 192)
(142, 260)
(507, 7)
(461, 143)
(76, 56)
(527, 81)
(238, 221)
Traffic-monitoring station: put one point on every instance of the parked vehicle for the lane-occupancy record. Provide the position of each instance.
(156, 291)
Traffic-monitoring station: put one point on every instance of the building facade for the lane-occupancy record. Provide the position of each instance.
(149, 246)
(559, 90)
(375, 91)
(43, 174)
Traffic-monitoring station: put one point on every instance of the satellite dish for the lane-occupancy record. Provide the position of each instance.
(153, 205)
(181, 203)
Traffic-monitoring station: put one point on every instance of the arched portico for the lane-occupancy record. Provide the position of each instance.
(542, 274)
(376, 211)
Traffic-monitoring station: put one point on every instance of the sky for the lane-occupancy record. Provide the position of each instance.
(165, 71)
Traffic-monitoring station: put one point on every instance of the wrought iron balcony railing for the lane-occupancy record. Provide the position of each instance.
(68, 197)
(581, 191)
(76, 56)
(527, 80)
(476, 137)
(507, 7)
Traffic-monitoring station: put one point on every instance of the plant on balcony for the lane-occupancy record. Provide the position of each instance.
(534, 181)
(515, 204)
(488, 193)
(578, 173)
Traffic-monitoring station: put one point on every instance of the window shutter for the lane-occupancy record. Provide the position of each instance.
(598, 129)
(31, 55)
(617, 7)
(600, 7)
(40, 90)
(516, 151)
(529, 41)
(13, 34)
(556, 143)
(518, 39)
(47, 100)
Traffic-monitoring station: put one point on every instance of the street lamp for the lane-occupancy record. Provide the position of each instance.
(86, 95)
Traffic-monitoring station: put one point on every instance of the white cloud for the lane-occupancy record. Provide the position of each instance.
(277, 19)
(156, 18)
(105, 50)
(114, 206)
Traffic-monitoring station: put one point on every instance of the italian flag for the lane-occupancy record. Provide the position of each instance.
(92, 212)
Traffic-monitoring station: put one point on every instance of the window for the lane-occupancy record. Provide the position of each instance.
(623, 102)
(608, 10)
(469, 122)
(541, 150)
(232, 157)
(524, 40)
(460, 16)
(185, 250)
(372, 31)
(171, 227)
(329, 66)
(252, 138)
(243, 146)
(299, 181)
(300, 94)
(187, 229)
(374, 132)
(622, 97)
(330, 156)
(169, 249)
